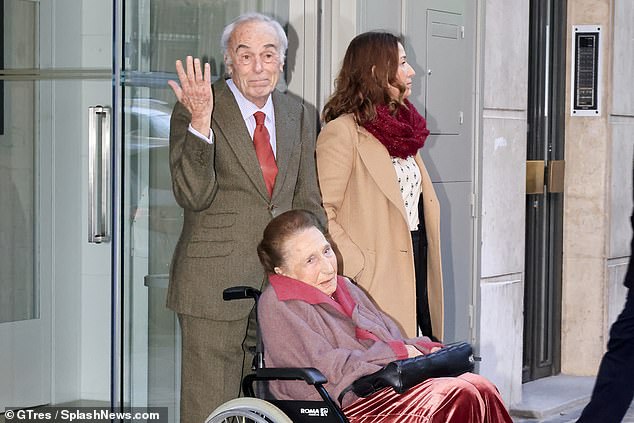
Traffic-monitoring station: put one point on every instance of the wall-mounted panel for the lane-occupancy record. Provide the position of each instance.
(382, 15)
(445, 73)
(456, 233)
(622, 153)
(503, 194)
(505, 54)
(501, 315)
(623, 59)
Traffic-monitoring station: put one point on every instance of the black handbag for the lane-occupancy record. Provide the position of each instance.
(451, 360)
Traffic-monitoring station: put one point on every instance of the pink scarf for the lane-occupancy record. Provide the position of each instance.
(403, 134)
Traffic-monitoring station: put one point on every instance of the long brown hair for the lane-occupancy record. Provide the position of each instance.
(367, 73)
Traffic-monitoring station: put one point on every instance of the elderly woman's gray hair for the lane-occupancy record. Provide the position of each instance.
(254, 17)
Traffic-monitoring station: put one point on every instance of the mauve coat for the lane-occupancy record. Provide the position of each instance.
(344, 339)
(368, 226)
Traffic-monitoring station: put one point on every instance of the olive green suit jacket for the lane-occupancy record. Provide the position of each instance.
(226, 205)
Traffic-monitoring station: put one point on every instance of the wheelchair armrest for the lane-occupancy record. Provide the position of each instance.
(310, 375)
(240, 293)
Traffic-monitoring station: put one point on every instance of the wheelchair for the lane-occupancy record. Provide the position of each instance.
(250, 409)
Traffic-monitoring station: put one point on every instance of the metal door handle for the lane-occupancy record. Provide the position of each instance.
(534, 177)
(99, 168)
(540, 173)
(556, 172)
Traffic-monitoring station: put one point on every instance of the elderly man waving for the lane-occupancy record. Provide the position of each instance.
(241, 152)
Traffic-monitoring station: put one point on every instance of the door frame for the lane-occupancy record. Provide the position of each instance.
(118, 343)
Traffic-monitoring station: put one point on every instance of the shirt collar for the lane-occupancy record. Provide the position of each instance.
(292, 289)
(247, 108)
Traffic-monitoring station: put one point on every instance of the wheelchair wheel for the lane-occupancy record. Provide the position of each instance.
(247, 410)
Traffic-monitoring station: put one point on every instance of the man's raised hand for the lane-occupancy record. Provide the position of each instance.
(195, 93)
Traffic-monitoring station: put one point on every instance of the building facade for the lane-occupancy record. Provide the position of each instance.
(533, 272)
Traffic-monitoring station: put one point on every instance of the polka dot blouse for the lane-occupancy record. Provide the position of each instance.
(409, 178)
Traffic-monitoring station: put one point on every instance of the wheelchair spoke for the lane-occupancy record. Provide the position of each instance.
(242, 416)
(247, 410)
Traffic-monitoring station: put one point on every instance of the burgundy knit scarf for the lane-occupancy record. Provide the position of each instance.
(403, 134)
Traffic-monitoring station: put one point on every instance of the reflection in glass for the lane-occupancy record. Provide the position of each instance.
(18, 299)
(156, 34)
(20, 33)
(17, 193)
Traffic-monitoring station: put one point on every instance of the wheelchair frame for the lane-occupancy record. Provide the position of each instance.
(252, 409)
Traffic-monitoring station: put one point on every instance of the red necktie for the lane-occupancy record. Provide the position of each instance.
(264, 151)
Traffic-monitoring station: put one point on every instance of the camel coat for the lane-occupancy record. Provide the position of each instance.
(368, 226)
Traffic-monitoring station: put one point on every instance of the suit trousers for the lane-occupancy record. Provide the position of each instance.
(215, 356)
(614, 387)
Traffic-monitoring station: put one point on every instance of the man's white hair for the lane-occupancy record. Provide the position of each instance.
(253, 17)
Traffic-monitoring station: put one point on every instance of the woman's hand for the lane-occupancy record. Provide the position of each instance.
(412, 351)
(195, 93)
(427, 345)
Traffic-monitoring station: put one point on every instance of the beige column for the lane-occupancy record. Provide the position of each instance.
(586, 210)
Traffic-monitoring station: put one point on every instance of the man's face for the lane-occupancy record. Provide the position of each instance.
(255, 62)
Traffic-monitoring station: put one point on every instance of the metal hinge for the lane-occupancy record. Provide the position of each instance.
(462, 32)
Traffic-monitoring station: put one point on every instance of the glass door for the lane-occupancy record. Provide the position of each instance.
(544, 199)
(154, 35)
(54, 285)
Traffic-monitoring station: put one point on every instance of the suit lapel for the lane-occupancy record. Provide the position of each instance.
(380, 167)
(286, 133)
(229, 122)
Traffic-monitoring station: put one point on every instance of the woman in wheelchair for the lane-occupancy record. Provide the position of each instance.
(311, 317)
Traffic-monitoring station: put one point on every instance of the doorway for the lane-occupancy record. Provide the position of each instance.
(55, 303)
(154, 34)
(544, 199)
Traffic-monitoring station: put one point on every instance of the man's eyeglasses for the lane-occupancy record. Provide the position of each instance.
(246, 58)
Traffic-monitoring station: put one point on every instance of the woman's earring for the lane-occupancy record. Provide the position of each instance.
(277, 270)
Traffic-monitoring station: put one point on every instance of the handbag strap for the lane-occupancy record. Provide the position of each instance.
(343, 393)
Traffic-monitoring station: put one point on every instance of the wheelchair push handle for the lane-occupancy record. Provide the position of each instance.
(240, 293)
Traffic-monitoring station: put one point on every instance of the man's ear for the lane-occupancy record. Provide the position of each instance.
(228, 66)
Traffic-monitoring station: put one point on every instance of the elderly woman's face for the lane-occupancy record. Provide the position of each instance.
(308, 257)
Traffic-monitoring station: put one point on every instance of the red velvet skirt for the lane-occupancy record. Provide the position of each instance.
(468, 398)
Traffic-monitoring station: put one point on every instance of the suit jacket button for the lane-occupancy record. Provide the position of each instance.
(273, 209)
